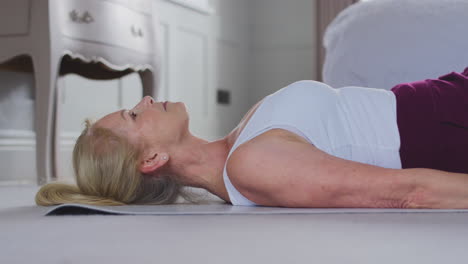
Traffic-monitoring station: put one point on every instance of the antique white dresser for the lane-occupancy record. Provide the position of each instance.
(98, 39)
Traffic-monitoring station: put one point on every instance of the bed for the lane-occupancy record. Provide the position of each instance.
(380, 43)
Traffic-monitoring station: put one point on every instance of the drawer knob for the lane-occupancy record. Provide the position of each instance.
(85, 18)
(136, 32)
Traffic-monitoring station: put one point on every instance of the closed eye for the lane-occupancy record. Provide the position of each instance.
(132, 114)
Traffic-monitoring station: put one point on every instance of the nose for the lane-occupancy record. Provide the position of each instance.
(148, 99)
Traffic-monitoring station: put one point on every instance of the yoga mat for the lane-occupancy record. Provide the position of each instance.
(221, 209)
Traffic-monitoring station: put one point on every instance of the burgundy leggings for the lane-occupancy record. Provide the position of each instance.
(432, 117)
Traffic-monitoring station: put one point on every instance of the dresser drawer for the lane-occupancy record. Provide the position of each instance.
(107, 23)
(14, 17)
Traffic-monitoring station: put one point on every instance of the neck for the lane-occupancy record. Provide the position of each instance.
(200, 163)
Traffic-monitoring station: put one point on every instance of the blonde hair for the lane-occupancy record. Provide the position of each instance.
(106, 173)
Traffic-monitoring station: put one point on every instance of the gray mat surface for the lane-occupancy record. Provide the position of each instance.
(220, 209)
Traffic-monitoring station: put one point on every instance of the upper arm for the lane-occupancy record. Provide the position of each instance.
(281, 172)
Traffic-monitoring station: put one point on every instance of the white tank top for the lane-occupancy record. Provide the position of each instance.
(353, 123)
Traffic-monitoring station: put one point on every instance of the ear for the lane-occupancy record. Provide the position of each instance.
(151, 163)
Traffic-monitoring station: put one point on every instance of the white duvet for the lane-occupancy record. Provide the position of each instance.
(381, 43)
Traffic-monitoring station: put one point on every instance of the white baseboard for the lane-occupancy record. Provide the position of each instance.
(18, 156)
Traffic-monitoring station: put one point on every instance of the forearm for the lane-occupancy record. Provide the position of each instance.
(401, 188)
(435, 189)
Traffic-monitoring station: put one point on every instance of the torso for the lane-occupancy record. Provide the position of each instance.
(349, 133)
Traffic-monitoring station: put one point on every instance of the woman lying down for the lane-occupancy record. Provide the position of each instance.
(306, 145)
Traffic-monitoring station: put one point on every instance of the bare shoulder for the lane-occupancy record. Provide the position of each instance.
(252, 150)
(261, 155)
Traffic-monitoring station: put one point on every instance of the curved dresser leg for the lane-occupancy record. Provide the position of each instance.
(46, 72)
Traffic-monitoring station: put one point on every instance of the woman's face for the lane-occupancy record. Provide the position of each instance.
(149, 123)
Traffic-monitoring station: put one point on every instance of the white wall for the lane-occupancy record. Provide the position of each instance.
(233, 66)
(283, 44)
